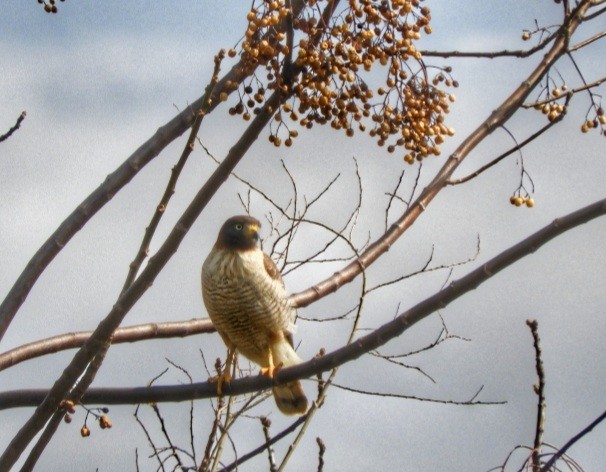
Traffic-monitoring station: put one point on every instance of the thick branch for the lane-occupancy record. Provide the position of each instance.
(496, 119)
(105, 329)
(113, 184)
(129, 334)
(97, 199)
(377, 338)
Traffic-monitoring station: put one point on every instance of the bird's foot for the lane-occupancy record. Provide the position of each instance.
(271, 370)
(225, 377)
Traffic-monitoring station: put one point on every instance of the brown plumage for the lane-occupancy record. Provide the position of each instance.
(246, 300)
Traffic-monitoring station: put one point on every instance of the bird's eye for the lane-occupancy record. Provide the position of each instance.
(239, 227)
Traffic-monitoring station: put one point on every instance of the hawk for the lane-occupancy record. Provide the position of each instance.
(246, 300)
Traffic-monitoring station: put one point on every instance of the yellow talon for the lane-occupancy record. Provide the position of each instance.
(225, 377)
(271, 369)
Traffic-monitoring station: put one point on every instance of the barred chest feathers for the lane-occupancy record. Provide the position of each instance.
(237, 288)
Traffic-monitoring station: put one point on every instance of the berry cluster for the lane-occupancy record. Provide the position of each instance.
(518, 201)
(51, 6)
(100, 415)
(599, 121)
(318, 60)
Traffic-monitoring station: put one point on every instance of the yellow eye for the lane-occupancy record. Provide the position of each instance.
(239, 227)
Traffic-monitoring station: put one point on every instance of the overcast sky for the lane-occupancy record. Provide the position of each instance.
(99, 78)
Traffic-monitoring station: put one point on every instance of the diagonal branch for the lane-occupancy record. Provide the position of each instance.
(510, 151)
(115, 182)
(361, 346)
(496, 119)
(551, 462)
(15, 127)
(135, 265)
(98, 198)
(102, 335)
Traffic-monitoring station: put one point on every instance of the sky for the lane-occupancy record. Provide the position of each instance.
(98, 79)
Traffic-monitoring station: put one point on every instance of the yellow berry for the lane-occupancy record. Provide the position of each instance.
(105, 422)
(529, 202)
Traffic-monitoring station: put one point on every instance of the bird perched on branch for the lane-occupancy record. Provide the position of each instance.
(246, 300)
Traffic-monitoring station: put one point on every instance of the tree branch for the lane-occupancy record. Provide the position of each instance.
(378, 337)
(128, 334)
(114, 183)
(16, 126)
(128, 298)
(509, 152)
(496, 119)
(551, 462)
(540, 391)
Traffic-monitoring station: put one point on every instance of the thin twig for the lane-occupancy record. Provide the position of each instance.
(562, 451)
(539, 389)
(15, 127)
(206, 460)
(263, 447)
(143, 251)
(471, 401)
(568, 93)
(509, 152)
(266, 423)
(148, 436)
(321, 451)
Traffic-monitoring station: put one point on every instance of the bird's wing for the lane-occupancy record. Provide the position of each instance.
(272, 269)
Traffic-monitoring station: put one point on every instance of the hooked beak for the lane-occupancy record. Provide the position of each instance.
(252, 231)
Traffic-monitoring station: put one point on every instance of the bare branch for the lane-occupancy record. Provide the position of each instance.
(128, 298)
(378, 337)
(321, 451)
(509, 152)
(496, 119)
(115, 182)
(143, 251)
(128, 334)
(471, 401)
(540, 391)
(561, 452)
(42, 442)
(264, 446)
(521, 53)
(266, 423)
(15, 127)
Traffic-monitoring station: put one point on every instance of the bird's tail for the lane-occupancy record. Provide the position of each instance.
(290, 397)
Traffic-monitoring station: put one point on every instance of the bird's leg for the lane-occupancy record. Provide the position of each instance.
(271, 369)
(225, 375)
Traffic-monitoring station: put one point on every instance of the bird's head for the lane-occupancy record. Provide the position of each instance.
(239, 232)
